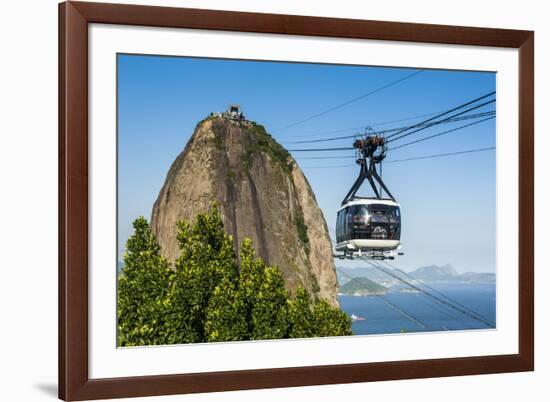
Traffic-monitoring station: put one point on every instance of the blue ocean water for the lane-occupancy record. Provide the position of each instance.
(380, 318)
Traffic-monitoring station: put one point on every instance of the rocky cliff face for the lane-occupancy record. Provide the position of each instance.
(261, 193)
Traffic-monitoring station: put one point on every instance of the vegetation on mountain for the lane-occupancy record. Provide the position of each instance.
(264, 142)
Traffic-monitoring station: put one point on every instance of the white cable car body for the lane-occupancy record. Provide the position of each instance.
(368, 227)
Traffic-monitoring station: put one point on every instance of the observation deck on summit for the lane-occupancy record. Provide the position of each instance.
(233, 112)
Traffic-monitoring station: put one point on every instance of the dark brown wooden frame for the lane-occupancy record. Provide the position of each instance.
(74, 17)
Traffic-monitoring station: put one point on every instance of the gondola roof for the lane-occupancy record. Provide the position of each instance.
(368, 201)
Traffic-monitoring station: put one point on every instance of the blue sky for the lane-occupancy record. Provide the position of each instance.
(448, 204)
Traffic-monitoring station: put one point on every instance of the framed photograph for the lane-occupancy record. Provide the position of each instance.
(261, 200)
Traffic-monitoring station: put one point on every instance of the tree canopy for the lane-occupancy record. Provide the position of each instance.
(210, 295)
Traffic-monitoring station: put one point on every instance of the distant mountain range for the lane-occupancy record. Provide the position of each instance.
(434, 273)
(477, 277)
(446, 273)
(430, 273)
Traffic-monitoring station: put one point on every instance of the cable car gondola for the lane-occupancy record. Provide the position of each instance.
(369, 226)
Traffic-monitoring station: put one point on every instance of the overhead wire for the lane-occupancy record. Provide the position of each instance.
(468, 151)
(320, 149)
(390, 84)
(403, 312)
(341, 130)
(439, 114)
(327, 167)
(452, 300)
(329, 157)
(352, 148)
(428, 302)
(460, 118)
(452, 130)
(447, 112)
(391, 138)
(465, 322)
(449, 120)
(398, 146)
(476, 317)
(400, 310)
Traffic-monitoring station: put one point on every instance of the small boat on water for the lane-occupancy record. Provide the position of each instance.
(357, 318)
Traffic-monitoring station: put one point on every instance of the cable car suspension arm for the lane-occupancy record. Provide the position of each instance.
(371, 150)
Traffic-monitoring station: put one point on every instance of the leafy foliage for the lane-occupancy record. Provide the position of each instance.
(301, 227)
(143, 289)
(206, 260)
(226, 316)
(269, 307)
(330, 321)
(301, 315)
(263, 142)
(209, 295)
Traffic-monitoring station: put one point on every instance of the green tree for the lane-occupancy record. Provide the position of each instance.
(269, 309)
(206, 259)
(143, 287)
(226, 314)
(263, 294)
(250, 280)
(330, 321)
(300, 315)
(209, 295)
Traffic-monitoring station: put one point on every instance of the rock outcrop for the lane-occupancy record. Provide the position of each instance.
(261, 193)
